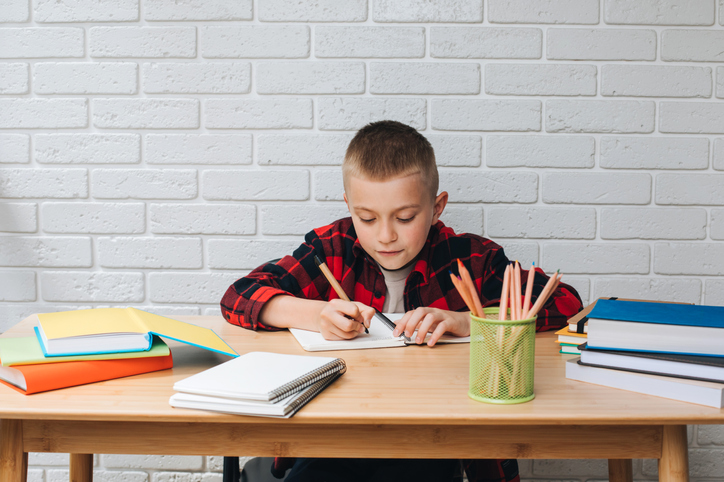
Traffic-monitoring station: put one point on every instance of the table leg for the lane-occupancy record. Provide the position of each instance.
(81, 467)
(13, 461)
(620, 470)
(674, 461)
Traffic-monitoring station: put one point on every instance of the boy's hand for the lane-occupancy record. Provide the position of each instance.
(435, 321)
(344, 320)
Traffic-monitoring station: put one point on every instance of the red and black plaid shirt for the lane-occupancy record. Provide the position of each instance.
(428, 284)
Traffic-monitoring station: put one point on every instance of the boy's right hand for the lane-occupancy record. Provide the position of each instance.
(344, 320)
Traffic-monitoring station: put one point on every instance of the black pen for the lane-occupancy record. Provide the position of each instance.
(335, 285)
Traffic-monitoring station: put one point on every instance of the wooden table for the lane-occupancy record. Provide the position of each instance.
(396, 402)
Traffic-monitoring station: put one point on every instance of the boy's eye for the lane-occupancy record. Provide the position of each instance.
(406, 220)
(366, 220)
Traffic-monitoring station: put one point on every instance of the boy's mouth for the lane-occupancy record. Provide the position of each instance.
(389, 253)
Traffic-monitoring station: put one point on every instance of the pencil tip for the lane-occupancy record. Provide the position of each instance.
(317, 260)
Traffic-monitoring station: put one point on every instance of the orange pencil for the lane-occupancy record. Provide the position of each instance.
(504, 295)
(517, 293)
(543, 297)
(528, 291)
(468, 280)
(463, 292)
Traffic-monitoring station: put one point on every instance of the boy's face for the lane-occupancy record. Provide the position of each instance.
(393, 217)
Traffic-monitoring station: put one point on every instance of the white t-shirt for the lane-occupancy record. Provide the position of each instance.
(395, 282)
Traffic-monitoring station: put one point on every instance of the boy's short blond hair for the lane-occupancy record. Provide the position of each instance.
(387, 149)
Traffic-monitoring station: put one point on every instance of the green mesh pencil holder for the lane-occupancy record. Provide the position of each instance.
(502, 359)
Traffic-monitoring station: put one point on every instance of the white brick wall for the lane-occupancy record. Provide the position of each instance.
(153, 151)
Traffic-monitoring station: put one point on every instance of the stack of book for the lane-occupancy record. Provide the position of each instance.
(574, 334)
(665, 349)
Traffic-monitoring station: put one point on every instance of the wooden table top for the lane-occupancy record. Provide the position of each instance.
(406, 385)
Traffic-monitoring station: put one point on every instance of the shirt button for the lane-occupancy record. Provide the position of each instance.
(377, 294)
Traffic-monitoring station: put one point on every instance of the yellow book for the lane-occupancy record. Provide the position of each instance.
(565, 336)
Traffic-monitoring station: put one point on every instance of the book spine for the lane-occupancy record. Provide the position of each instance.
(335, 366)
(310, 393)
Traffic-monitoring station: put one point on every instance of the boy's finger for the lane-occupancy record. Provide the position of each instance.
(439, 331)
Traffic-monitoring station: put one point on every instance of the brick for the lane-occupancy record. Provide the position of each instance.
(551, 79)
(258, 114)
(653, 223)
(713, 295)
(720, 82)
(18, 217)
(319, 11)
(14, 78)
(697, 259)
(10, 314)
(486, 43)
(691, 117)
(16, 43)
(298, 218)
(464, 219)
(198, 149)
(353, 113)
(26, 113)
(144, 42)
(88, 148)
(310, 78)
(616, 116)
(328, 185)
(125, 476)
(17, 285)
(180, 288)
(690, 189)
(692, 45)
(14, 11)
(543, 11)
(96, 218)
(717, 224)
(657, 289)
(85, 78)
(596, 258)
(302, 149)
(462, 11)
(526, 251)
(369, 42)
(486, 115)
(540, 151)
(14, 148)
(468, 185)
(186, 477)
(456, 150)
(424, 78)
(718, 161)
(157, 462)
(255, 41)
(48, 459)
(45, 251)
(172, 311)
(140, 252)
(245, 185)
(144, 184)
(710, 434)
(655, 81)
(542, 222)
(596, 188)
(246, 253)
(146, 113)
(86, 286)
(653, 153)
(659, 12)
(85, 11)
(202, 218)
(562, 469)
(197, 78)
(702, 462)
(170, 10)
(44, 183)
(600, 44)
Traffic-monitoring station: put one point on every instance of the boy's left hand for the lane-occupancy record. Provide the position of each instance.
(435, 321)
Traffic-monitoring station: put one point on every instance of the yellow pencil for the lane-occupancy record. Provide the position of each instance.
(332, 281)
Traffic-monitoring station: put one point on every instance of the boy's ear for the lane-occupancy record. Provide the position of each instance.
(344, 195)
(439, 207)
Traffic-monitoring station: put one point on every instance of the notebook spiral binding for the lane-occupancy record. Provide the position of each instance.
(310, 394)
(335, 366)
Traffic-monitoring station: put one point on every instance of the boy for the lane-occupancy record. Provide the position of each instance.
(393, 254)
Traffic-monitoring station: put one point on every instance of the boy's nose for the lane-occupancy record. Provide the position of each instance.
(387, 233)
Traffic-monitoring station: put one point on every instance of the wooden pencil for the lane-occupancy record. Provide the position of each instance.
(528, 291)
(516, 291)
(502, 314)
(543, 297)
(472, 290)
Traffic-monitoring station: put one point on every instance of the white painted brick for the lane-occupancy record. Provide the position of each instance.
(173, 311)
(596, 188)
(14, 78)
(89, 286)
(543, 11)
(486, 43)
(614, 116)
(600, 44)
(468, 185)
(145, 42)
(697, 259)
(14, 10)
(11, 314)
(653, 153)
(657, 12)
(85, 11)
(713, 295)
(596, 258)
(542, 222)
(85, 78)
(255, 41)
(540, 151)
(302, 149)
(59, 42)
(717, 224)
(318, 11)
(241, 185)
(144, 183)
(14, 148)
(17, 285)
(464, 219)
(424, 78)
(486, 115)
(142, 252)
(48, 458)
(160, 10)
(692, 45)
(299, 218)
(655, 81)
(202, 218)
(702, 463)
(653, 223)
(583, 286)
(526, 252)
(197, 78)
(18, 217)
(454, 150)
(114, 476)
(691, 117)
(98, 218)
(353, 113)
(656, 289)
(328, 185)
(570, 468)
(27, 113)
(44, 183)
(153, 462)
(542, 79)
(720, 82)
(718, 161)
(369, 42)
(258, 114)
(146, 113)
(710, 434)
(198, 149)
(310, 78)
(186, 477)
(88, 148)
(690, 189)
(45, 251)
(463, 11)
(246, 253)
(185, 287)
